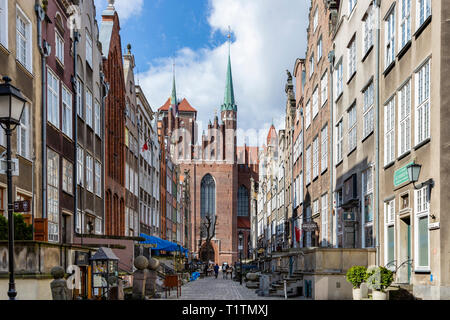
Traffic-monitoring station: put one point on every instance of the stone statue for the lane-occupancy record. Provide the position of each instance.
(59, 285)
(140, 277)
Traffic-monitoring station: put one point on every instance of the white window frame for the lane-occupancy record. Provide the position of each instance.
(422, 103)
(89, 50)
(368, 103)
(319, 49)
(308, 165)
(423, 11)
(89, 173)
(23, 132)
(4, 23)
(351, 66)
(421, 210)
(315, 102)
(24, 55)
(352, 128)
(98, 178)
(59, 47)
(308, 114)
(324, 149)
(404, 22)
(80, 165)
(311, 65)
(67, 122)
(367, 190)
(368, 27)
(53, 195)
(53, 96)
(324, 88)
(340, 141)
(339, 79)
(324, 219)
(389, 132)
(351, 6)
(389, 38)
(404, 119)
(389, 221)
(316, 19)
(98, 225)
(89, 107)
(315, 163)
(67, 179)
(97, 119)
(79, 97)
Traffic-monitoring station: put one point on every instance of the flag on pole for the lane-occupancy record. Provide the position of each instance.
(297, 234)
(145, 147)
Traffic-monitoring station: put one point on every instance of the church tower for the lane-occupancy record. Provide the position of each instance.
(229, 116)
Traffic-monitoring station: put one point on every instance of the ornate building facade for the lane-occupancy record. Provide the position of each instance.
(220, 175)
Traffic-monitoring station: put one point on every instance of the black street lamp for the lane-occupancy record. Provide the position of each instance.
(241, 238)
(11, 107)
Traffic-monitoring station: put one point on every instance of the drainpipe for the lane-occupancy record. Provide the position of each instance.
(303, 165)
(331, 60)
(377, 133)
(76, 38)
(44, 50)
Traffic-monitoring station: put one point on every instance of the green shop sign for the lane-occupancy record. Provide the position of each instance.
(401, 175)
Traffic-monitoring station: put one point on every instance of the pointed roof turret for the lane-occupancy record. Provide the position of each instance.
(229, 103)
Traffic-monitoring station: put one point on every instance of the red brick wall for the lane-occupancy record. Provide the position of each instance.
(115, 131)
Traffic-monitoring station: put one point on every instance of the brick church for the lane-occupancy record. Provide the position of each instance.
(220, 175)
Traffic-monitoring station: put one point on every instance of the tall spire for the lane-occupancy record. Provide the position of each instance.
(173, 97)
(229, 103)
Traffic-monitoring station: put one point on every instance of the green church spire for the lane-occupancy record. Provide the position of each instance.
(173, 97)
(229, 103)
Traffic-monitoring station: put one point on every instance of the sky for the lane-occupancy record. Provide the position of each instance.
(267, 37)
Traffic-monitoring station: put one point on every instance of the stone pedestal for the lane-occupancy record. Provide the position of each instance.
(140, 278)
(150, 283)
(264, 285)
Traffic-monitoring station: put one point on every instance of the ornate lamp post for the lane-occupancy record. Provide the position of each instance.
(11, 107)
(241, 238)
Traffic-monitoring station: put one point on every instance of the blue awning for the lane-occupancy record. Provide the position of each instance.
(161, 244)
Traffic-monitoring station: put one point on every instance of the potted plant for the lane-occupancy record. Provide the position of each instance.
(356, 276)
(379, 279)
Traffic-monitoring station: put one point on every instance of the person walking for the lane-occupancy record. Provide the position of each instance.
(224, 270)
(216, 270)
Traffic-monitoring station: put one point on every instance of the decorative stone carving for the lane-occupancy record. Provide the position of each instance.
(59, 285)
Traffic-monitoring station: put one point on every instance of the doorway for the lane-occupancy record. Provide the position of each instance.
(404, 261)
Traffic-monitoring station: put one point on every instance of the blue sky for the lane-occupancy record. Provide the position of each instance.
(267, 37)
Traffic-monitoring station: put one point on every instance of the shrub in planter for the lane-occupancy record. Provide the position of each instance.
(356, 275)
(379, 278)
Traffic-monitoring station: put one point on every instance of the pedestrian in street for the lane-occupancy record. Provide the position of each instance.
(224, 270)
(216, 270)
(206, 269)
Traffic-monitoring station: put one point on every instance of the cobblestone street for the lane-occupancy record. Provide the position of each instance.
(210, 288)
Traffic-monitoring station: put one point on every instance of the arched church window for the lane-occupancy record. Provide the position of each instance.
(243, 202)
(208, 196)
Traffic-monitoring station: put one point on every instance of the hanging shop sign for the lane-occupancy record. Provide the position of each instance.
(310, 226)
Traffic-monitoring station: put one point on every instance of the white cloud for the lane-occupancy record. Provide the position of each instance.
(269, 36)
(124, 8)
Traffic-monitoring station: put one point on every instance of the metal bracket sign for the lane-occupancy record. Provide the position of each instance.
(401, 175)
(310, 226)
(22, 206)
(434, 225)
